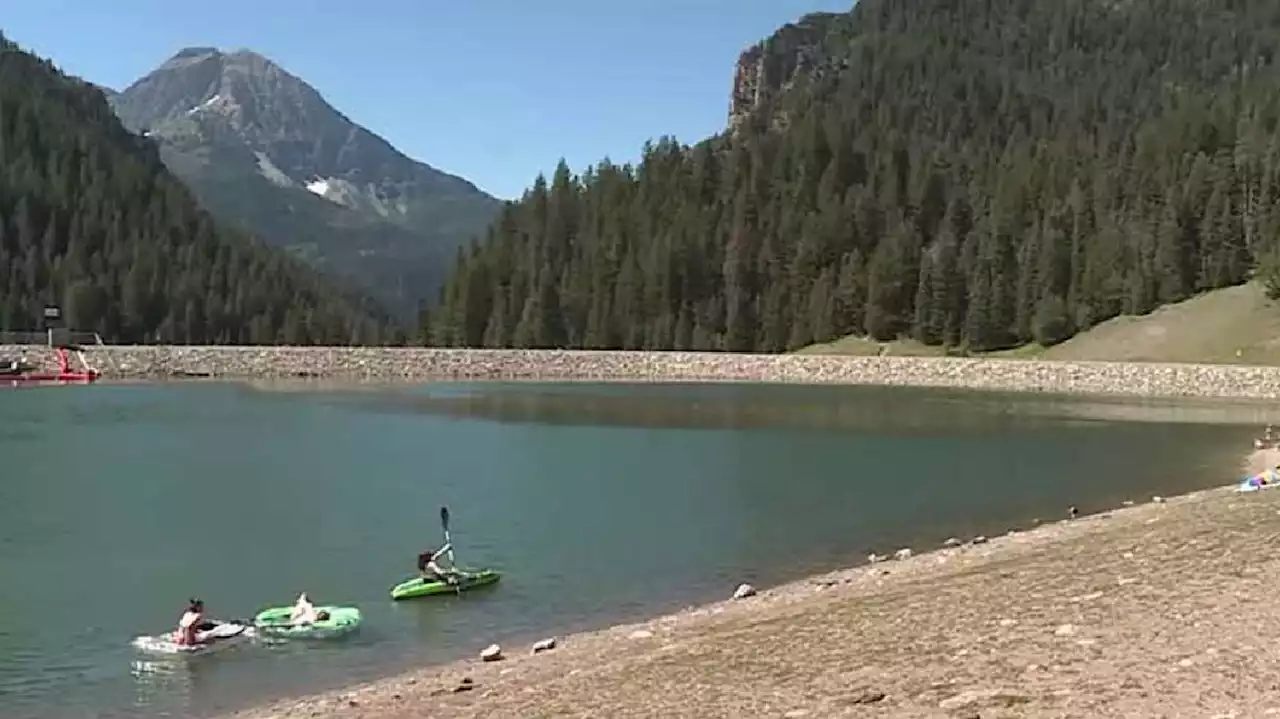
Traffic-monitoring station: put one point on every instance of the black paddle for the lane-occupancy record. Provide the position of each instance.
(444, 522)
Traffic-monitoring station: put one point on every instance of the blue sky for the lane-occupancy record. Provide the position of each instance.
(494, 91)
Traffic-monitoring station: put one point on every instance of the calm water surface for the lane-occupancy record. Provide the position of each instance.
(599, 502)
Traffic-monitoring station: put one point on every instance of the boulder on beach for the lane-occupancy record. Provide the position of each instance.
(743, 591)
(491, 653)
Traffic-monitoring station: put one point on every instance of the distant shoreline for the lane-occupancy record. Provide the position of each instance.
(1041, 602)
(403, 364)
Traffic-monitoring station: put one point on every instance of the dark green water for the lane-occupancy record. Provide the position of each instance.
(600, 503)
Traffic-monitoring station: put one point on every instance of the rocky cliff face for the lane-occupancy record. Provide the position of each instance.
(262, 149)
(769, 67)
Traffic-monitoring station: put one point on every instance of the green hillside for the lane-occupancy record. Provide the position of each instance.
(1230, 325)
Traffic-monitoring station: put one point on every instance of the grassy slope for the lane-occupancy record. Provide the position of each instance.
(1232, 325)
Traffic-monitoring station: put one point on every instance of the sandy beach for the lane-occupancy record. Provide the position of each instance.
(1160, 609)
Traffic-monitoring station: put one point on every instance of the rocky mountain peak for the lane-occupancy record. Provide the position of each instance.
(244, 100)
(263, 148)
(769, 67)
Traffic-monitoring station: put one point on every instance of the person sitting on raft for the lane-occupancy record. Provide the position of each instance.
(192, 621)
(430, 570)
(304, 612)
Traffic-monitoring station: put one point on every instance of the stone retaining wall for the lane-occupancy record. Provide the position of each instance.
(419, 364)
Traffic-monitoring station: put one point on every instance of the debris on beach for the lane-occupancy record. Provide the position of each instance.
(951, 542)
(874, 558)
(491, 653)
(975, 698)
(465, 685)
(866, 697)
(903, 553)
(640, 634)
(544, 645)
(743, 591)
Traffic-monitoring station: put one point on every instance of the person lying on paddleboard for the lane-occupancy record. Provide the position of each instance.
(192, 621)
(430, 570)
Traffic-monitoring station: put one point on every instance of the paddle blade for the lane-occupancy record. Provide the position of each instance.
(444, 521)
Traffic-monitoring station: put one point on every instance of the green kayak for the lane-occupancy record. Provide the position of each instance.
(416, 587)
(274, 622)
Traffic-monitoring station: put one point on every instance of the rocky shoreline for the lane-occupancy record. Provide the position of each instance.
(1133, 612)
(400, 364)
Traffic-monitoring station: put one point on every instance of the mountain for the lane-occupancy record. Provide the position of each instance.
(92, 220)
(263, 149)
(972, 175)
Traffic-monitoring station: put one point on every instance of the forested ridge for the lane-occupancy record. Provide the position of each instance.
(978, 175)
(91, 220)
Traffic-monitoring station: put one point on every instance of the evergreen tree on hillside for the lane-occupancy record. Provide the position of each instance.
(979, 174)
(91, 220)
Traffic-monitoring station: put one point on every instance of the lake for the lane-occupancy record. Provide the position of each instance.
(600, 503)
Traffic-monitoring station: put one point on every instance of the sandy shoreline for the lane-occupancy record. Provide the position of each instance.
(1133, 612)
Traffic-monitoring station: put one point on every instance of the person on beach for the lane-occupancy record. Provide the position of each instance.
(430, 570)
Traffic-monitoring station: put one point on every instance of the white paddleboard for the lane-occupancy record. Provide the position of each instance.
(220, 637)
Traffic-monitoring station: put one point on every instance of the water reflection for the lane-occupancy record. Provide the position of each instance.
(911, 411)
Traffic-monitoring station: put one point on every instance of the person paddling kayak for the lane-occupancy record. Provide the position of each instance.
(430, 570)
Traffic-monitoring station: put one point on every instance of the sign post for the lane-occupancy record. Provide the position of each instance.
(52, 313)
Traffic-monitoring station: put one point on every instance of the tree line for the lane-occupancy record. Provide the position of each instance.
(974, 175)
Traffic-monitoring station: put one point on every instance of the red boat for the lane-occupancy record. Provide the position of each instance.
(17, 375)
